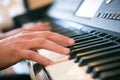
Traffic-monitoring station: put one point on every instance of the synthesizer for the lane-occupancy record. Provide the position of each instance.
(95, 26)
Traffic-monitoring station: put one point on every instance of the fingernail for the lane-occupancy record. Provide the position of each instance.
(66, 51)
(71, 41)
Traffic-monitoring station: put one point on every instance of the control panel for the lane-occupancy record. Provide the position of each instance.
(109, 10)
(113, 16)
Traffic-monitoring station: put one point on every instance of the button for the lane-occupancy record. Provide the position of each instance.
(112, 15)
(115, 16)
(118, 18)
(98, 14)
(101, 15)
(108, 16)
(108, 1)
(105, 15)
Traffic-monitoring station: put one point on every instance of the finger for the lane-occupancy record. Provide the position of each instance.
(55, 37)
(43, 26)
(36, 27)
(59, 38)
(39, 27)
(34, 56)
(42, 43)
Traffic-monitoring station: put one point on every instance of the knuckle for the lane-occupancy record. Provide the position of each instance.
(48, 33)
(17, 53)
(31, 56)
(42, 41)
(20, 44)
(24, 35)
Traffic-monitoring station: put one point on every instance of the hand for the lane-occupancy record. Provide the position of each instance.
(23, 46)
(40, 26)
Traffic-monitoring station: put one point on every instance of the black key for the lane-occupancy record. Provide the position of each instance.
(82, 33)
(103, 68)
(118, 40)
(96, 51)
(110, 75)
(88, 41)
(102, 62)
(102, 34)
(68, 33)
(60, 30)
(99, 56)
(108, 36)
(84, 42)
(86, 38)
(92, 31)
(82, 36)
(89, 44)
(71, 33)
(90, 48)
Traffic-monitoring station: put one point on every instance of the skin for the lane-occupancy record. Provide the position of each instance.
(40, 26)
(22, 44)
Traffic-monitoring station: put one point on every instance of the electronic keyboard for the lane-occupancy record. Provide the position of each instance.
(95, 27)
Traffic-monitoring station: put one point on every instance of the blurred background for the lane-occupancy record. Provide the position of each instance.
(10, 10)
(14, 13)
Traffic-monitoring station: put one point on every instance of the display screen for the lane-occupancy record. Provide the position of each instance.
(88, 8)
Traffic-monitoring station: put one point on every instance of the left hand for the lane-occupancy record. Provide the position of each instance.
(40, 26)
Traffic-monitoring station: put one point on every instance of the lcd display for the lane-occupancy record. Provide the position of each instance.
(88, 8)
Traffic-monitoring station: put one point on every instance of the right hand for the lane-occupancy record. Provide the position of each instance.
(23, 46)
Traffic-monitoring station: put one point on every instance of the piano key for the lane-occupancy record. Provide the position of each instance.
(102, 62)
(108, 36)
(60, 30)
(113, 38)
(110, 75)
(86, 38)
(99, 56)
(88, 44)
(66, 32)
(96, 33)
(92, 31)
(88, 41)
(78, 56)
(102, 34)
(103, 68)
(81, 36)
(90, 48)
(118, 40)
(68, 70)
(71, 33)
(85, 42)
